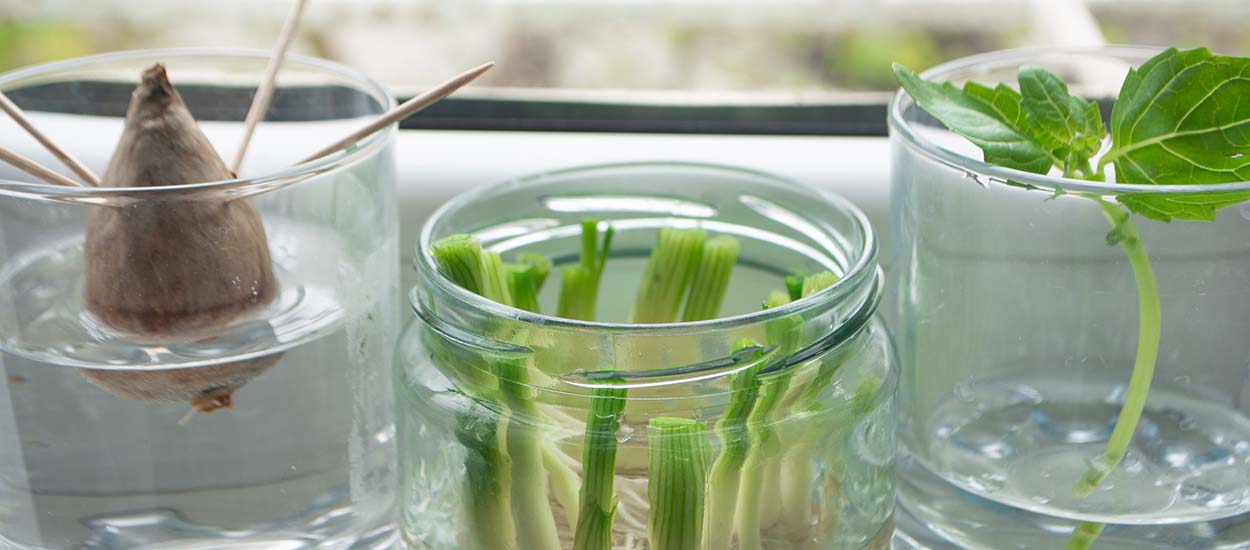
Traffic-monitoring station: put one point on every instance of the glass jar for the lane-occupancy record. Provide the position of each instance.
(815, 471)
(1017, 320)
(106, 439)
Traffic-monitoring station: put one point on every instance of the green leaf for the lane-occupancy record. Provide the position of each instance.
(1181, 120)
(1066, 124)
(1182, 206)
(991, 118)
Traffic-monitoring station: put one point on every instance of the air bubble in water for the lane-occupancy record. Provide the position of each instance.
(963, 391)
(978, 178)
(625, 433)
(1133, 467)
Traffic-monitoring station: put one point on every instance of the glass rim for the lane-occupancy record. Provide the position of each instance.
(861, 270)
(903, 130)
(238, 187)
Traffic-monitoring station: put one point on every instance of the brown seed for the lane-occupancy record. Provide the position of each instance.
(174, 269)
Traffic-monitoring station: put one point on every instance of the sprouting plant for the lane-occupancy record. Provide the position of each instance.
(726, 475)
(515, 471)
(676, 488)
(507, 476)
(578, 299)
(670, 273)
(1179, 119)
(579, 287)
(762, 475)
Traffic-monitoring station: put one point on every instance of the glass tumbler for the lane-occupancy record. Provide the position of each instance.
(521, 430)
(108, 434)
(1017, 320)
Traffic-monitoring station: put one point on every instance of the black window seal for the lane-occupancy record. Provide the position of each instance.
(858, 116)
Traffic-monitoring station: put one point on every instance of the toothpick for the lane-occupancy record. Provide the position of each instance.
(264, 94)
(70, 162)
(35, 169)
(404, 110)
(188, 416)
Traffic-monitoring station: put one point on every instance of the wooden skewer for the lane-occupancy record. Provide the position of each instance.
(72, 163)
(264, 94)
(35, 169)
(404, 110)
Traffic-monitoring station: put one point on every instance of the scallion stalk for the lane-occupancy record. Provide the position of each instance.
(754, 494)
(818, 282)
(795, 465)
(511, 478)
(764, 446)
(488, 500)
(577, 287)
(539, 265)
(523, 285)
(794, 286)
(564, 481)
(531, 506)
(459, 258)
(579, 290)
(496, 283)
(488, 497)
(677, 476)
(735, 443)
(670, 271)
(761, 502)
(598, 501)
(579, 295)
(711, 280)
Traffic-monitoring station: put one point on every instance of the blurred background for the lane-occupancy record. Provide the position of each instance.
(787, 50)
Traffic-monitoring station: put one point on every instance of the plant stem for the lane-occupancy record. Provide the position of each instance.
(496, 284)
(508, 475)
(797, 486)
(579, 290)
(531, 506)
(670, 271)
(764, 445)
(564, 481)
(1149, 329)
(459, 257)
(539, 266)
(1148, 335)
(524, 287)
(711, 279)
(677, 474)
(577, 293)
(487, 500)
(735, 444)
(794, 286)
(598, 502)
(1084, 535)
(778, 489)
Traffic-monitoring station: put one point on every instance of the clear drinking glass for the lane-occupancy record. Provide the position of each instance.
(1017, 326)
(97, 449)
(825, 480)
